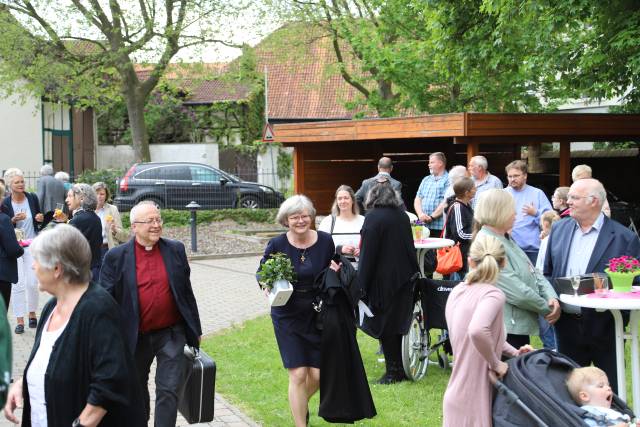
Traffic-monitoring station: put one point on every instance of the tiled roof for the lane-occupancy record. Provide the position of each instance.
(301, 85)
(201, 82)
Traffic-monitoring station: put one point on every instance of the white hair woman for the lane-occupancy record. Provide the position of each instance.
(528, 293)
(478, 339)
(82, 201)
(24, 210)
(80, 371)
(386, 271)
(294, 324)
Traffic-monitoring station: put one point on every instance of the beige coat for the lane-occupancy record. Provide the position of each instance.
(119, 235)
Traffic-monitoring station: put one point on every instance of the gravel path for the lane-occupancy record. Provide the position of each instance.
(226, 237)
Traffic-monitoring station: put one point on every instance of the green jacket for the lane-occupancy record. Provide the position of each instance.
(5, 355)
(526, 289)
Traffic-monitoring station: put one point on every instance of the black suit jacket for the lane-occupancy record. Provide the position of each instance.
(368, 183)
(88, 222)
(34, 206)
(613, 241)
(118, 277)
(10, 251)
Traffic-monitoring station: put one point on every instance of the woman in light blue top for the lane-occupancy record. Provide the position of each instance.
(528, 292)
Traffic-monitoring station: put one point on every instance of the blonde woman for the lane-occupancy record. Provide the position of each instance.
(113, 233)
(528, 293)
(478, 338)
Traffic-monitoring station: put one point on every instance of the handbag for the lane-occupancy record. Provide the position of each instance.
(449, 259)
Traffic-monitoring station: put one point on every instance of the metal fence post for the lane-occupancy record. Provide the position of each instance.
(193, 207)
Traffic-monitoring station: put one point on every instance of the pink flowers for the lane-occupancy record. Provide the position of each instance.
(624, 264)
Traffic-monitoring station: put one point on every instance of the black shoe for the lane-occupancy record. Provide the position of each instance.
(33, 322)
(307, 417)
(19, 329)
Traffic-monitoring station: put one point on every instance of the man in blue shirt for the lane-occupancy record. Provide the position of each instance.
(478, 168)
(531, 202)
(431, 192)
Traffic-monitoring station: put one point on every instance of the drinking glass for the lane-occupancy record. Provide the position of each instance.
(575, 284)
(600, 283)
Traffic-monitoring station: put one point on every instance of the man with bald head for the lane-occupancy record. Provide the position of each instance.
(583, 244)
(385, 166)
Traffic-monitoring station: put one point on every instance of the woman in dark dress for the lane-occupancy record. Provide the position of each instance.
(298, 338)
(459, 227)
(387, 271)
(82, 201)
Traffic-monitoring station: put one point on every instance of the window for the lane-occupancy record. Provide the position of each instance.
(201, 174)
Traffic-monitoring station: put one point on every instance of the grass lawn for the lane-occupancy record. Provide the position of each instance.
(250, 374)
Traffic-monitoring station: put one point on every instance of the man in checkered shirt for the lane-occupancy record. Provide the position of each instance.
(431, 193)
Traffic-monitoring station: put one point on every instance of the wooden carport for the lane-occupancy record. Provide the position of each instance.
(327, 154)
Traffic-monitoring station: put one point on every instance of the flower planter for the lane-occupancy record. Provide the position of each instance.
(280, 293)
(621, 282)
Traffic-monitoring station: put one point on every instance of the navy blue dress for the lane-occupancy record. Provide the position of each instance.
(294, 323)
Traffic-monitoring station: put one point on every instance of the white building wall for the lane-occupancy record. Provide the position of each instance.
(121, 156)
(21, 126)
(267, 164)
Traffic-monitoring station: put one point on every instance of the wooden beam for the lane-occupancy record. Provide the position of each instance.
(565, 164)
(473, 149)
(298, 169)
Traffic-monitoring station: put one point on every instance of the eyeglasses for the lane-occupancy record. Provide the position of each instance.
(572, 197)
(298, 218)
(150, 221)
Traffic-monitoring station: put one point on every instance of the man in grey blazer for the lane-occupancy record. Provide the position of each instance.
(583, 244)
(385, 166)
(50, 191)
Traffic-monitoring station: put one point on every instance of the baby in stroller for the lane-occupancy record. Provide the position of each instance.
(589, 388)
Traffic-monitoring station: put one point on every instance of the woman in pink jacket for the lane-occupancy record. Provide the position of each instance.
(476, 329)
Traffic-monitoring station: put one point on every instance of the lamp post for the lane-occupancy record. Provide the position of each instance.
(193, 207)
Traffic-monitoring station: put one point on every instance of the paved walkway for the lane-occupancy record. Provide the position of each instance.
(227, 294)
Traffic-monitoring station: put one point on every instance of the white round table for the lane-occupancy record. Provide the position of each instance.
(614, 305)
(422, 246)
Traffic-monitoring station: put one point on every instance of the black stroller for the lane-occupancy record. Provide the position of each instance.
(533, 393)
(428, 313)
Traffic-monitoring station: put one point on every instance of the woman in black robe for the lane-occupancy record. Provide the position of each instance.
(387, 270)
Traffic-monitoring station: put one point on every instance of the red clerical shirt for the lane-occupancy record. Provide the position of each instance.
(158, 309)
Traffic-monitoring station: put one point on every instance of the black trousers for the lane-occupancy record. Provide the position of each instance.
(391, 347)
(167, 347)
(5, 290)
(518, 340)
(589, 338)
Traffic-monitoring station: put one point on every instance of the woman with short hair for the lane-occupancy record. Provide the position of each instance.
(80, 371)
(294, 323)
(113, 233)
(387, 269)
(10, 252)
(560, 201)
(24, 210)
(528, 293)
(82, 201)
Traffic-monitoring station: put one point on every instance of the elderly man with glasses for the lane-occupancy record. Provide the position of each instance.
(149, 277)
(580, 245)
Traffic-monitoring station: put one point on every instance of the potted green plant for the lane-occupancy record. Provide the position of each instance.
(276, 275)
(622, 271)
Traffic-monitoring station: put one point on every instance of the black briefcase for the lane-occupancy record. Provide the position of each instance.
(196, 402)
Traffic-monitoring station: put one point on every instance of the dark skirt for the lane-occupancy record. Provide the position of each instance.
(298, 338)
(396, 319)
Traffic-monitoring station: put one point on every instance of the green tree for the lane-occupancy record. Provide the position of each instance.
(84, 52)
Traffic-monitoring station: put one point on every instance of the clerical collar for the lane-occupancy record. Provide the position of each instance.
(146, 248)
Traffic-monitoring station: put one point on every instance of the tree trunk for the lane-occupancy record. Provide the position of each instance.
(139, 135)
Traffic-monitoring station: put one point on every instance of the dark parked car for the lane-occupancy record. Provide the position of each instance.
(173, 185)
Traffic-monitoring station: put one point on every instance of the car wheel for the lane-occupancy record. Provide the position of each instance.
(249, 202)
(155, 200)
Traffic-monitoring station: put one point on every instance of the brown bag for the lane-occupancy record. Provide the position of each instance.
(449, 259)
